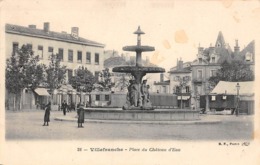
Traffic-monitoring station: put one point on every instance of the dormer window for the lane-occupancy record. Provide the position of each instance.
(218, 45)
(213, 60)
(248, 57)
(200, 60)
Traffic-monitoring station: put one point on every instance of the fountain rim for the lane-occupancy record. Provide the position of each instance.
(130, 69)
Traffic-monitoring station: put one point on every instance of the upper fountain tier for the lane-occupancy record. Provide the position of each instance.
(137, 48)
(138, 71)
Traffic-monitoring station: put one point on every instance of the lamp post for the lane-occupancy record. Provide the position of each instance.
(238, 87)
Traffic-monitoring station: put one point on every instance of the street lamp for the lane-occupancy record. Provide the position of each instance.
(238, 87)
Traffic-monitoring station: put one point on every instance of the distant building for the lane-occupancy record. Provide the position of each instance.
(180, 83)
(110, 53)
(209, 60)
(73, 50)
(162, 86)
(121, 80)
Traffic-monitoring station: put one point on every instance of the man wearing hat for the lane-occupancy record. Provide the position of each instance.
(80, 115)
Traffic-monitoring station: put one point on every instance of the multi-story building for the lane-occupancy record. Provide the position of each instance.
(74, 51)
(197, 73)
(180, 83)
(209, 60)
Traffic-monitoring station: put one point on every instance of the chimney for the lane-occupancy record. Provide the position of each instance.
(180, 64)
(200, 49)
(32, 26)
(75, 32)
(46, 27)
(161, 77)
(236, 48)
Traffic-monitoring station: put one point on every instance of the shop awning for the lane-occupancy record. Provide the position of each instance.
(183, 97)
(42, 92)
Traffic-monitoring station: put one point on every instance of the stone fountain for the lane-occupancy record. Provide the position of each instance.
(138, 94)
(137, 104)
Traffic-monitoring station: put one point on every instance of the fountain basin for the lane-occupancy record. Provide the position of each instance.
(141, 115)
(132, 69)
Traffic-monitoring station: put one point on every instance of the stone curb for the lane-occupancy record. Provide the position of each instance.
(141, 122)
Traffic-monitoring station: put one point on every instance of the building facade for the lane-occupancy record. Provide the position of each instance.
(206, 64)
(162, 86)
(73, 50)
(209, 60)
(180, 83)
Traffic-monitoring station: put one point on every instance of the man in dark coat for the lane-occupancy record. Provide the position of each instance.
(80, 116)
(47, 114)
(63, 107)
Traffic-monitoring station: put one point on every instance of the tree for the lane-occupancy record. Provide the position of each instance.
(55, 73)
(83, 81)
(123, 81)
(236, 70)
(22, 71)
(106, 82)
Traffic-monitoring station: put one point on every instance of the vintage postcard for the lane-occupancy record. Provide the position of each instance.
(129, 82)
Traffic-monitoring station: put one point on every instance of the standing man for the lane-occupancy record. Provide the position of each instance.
(64, 106)
(47, 114)
(81, 116)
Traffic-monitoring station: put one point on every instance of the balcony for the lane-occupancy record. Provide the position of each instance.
(198, 80)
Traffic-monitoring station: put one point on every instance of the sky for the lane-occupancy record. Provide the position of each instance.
(174, 28)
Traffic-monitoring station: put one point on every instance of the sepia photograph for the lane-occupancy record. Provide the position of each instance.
(129, 82)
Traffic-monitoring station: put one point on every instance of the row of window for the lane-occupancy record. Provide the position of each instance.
(213, 98)
(213, 72)
(61, 53)
(98, 98)
(248, 58)
(213, 60)
(179, 90)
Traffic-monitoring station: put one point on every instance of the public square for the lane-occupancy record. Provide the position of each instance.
(27, 125)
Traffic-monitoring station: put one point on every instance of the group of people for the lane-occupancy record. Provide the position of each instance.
(80, 113)
(138, 95)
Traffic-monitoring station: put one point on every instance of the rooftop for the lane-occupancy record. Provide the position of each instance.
(41, 33)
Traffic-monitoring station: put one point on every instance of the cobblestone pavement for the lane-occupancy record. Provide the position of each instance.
(26, 125)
